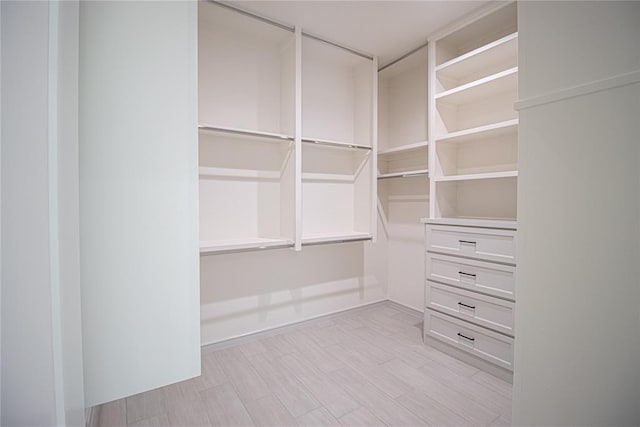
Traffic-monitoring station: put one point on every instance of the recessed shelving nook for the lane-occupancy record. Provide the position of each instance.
(246, 131)
(474, 152)
(338, 143)
(403, 168)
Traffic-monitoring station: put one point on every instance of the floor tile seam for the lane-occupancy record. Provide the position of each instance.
(455, 387)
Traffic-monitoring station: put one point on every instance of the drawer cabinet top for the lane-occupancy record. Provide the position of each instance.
(471, 222)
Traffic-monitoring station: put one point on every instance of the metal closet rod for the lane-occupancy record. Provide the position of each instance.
(253, 15)
(411, 52)
(334, 44)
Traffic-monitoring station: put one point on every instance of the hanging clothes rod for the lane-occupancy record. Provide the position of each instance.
(334, 44)
(335, 144)
(411, 52)
(253, 15)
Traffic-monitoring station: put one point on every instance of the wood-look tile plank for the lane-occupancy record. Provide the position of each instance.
(472, 411)
(349, 322)
(278, 345)
(387, 410)
(251, 348)
(157, 421)
(495, 402)
(290, 391)
(188, 413)
(269, 412)
(312, 352)
(503, 420)
(112, 414)
(248, 384)
(224, 407)
(432, 412)
(357, 361)
(494, 383)
(212, 373)
(328, 335)
(146, 405)
(320, 417)
(179, 393)
(398, 350)
(360, 417)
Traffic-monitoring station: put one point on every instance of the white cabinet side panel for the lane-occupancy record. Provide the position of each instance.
(138, 196)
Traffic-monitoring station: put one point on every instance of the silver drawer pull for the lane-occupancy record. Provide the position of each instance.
(467, 241)
(466, 274)
(466, 337)
(468, 306)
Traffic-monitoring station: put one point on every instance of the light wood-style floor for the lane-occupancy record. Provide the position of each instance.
(361, 367)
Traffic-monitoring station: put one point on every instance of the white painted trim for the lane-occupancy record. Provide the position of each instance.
(608, 83)
(298, 141)
(54, 238)
(282, 327)
(373, 196)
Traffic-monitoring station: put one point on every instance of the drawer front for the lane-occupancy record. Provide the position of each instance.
(487, 345)
(480, 309)
(479, 276)
(480, 243)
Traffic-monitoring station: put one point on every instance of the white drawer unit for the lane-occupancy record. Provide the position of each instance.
(488, 345)
(480, 243)
(484, 310)
(470, 291)
(481, 276)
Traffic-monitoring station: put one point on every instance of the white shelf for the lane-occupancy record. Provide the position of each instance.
(487, 131)
(238, 173)
(509, 224)
(334, 237)
(405, 174)
(499, 51)
(484, 88)
(331, 143)
(404, 148)
(232, 245)
(244, 132)
(313, 176)
(477, 176)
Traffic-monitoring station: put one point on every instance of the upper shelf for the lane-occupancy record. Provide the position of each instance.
(477, 176)
(497, 52)
(481, 89)
(404, 148)
(241, 245)
(243, 132)
(488, 131)
(405, 174)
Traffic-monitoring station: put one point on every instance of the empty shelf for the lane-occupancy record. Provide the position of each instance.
(244, 132)
(237, 245)
(477, 176)
(404, 148)
(481, 132)
(405, 174)
(481, 89)
(317, 238)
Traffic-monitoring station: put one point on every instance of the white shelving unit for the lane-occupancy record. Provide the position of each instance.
(474, 153)
(246, 131)
(474, 169)
(403, 168)
(338, 143)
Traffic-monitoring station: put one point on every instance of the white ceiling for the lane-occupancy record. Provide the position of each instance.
(383, 28)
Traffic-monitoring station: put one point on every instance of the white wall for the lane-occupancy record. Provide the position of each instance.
(41, 341)
(138, 196)
(577, 356)
(248, 292)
